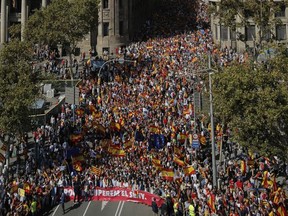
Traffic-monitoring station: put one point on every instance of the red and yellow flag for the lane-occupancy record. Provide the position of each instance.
(157, 164)
(265, 182)
(154, 129)
(167, 174)
(128, 144)
(189, 170)
(76, 138)
(178, 161)
(243, 167)
(95, 170)
(77, 166)
(178, 151)
(211, 202)
(281, 211)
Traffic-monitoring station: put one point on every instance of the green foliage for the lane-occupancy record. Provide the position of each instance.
(253, 101)
(18, 86)
(62, 21)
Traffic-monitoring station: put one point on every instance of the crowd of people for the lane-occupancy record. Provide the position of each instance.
(135, 130)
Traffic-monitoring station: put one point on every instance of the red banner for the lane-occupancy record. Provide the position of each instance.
(119, 194)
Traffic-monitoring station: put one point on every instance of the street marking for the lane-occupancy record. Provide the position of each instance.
(55, 210)
(104, 203)
(87, 208)
(120, 211)
(116, 213)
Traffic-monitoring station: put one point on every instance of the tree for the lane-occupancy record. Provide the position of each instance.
(236, 13)
(18, 90)
(253, 101)
(62, 22)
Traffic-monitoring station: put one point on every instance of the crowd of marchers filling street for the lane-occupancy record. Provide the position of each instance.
(134, 128)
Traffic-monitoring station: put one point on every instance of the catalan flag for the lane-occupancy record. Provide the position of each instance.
(95, 170)
(178, 161)
(281, 211)
(167, 174)
(189, 170)
(265, 182)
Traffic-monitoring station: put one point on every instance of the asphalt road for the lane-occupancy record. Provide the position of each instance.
(102, 208)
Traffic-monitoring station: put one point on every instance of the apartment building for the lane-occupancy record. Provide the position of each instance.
(248, 37)
(118, 21)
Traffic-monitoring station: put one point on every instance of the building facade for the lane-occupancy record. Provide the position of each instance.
(118, 21)
(15, 12)
(247, 37)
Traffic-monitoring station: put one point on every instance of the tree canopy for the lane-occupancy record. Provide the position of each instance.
(62, 21)
(18, 87)
(253, 101)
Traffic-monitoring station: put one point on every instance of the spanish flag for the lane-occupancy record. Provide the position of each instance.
(281, 211)
(243, 167)
(117, 152)
(167, 174)
(182, 137)
(157, 164)
(128, 144)
(77, 166)
(178, 161)
(27, 187)
(189, 170)
(178, 151)
(80, 112)
(95, 170)
(154, 129)
(211, 202)
(76, 138)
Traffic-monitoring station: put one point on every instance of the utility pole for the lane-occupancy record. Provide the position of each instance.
(212, 125)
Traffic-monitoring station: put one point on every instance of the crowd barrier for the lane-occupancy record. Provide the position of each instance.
(118, 194)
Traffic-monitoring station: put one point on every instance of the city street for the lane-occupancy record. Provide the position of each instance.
(103, 208)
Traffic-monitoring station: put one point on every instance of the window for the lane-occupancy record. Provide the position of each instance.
(232, 35)
(106, 29)
(105, 4)
(121, 28)
(250, 33)
(281, 32)
(281, 12)
(223, 33)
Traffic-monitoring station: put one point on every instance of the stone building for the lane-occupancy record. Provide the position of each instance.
(247, 37)
(118, 21)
